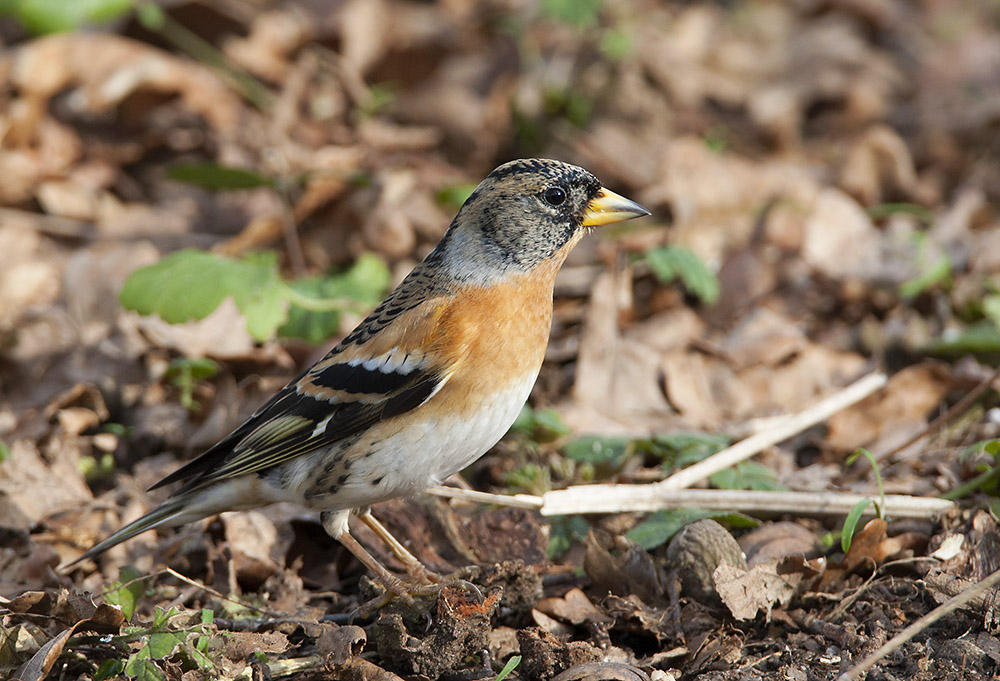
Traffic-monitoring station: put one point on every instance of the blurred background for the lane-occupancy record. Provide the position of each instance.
(198, 198)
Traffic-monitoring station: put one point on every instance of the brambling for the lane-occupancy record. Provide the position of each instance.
(424, 386)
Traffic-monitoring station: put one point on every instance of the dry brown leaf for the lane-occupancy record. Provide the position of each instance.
(104, 69)
(872, 547)
(619, 566)
(29, 273)
(39, 488)
(574, 608)
(239, 645)
(763, 338)
(745, 592)
(267, 49)
(840, 239)
(106, 619)
(879, 168)
(892, 414)
(256, 544)
(339, 644)
(715, 198)
(772, 541)
(551, 625)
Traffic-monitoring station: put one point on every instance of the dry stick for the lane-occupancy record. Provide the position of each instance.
(514, 500)
(214, 592)
(947, 417)
(792, 425)
(644, 498)
(652, 497)
(924, 622)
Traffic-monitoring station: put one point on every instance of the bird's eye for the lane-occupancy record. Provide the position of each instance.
(554, 196)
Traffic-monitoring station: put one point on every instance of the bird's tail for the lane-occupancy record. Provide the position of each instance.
(164, 515)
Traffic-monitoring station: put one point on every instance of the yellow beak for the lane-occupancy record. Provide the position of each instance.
(608, 207)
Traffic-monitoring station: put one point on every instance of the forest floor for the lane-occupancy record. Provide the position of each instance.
(198, 200)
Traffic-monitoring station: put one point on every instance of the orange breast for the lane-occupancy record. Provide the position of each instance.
(497, 334)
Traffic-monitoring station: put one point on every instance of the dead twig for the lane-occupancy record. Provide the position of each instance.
(584, 499)
(786, 428)
(646, 498)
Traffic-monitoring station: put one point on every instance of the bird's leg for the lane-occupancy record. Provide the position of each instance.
(389, 580)
(414, 568)
(335, 524)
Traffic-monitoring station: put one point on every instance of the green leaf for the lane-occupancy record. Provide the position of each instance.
(264, 307)
(126, 592)
(194, 368)
(597, 449)
(851, 522)
(549, 425)
(380, 95)
(986, 481)
(508, 668)
(991, 309)
(96, 468)
(4, 451)
(54, 16)
(317, 303)
(525, 421)
(578, 13)
(531, 478)
(937, 274)
(861, 451)
(563, 531)
(885, 210)
(197, 654)
(542, 425)
(981, 338)
(660, 526)
(746, 475)
(161, 617)
(150, 16)
(141, 668)
(191, 284)
(109, 669)
(616, 44)
(215, 177)
(678, 450)
(162, 645)
(669, 263)
(455, 195)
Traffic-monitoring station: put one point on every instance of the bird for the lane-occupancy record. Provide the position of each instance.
(424, 386)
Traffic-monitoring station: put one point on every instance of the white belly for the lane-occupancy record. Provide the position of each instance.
(420, 455)
(413, 460)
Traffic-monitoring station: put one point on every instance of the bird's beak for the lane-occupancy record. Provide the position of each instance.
(608, 207)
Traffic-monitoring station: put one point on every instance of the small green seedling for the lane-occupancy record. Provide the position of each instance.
(508, 668)
(855, 514)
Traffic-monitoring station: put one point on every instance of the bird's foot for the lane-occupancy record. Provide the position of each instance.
(418, 591)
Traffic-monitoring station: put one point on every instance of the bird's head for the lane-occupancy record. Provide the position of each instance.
(526, 211)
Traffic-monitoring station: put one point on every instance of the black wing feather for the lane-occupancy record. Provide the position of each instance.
(285, 427)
